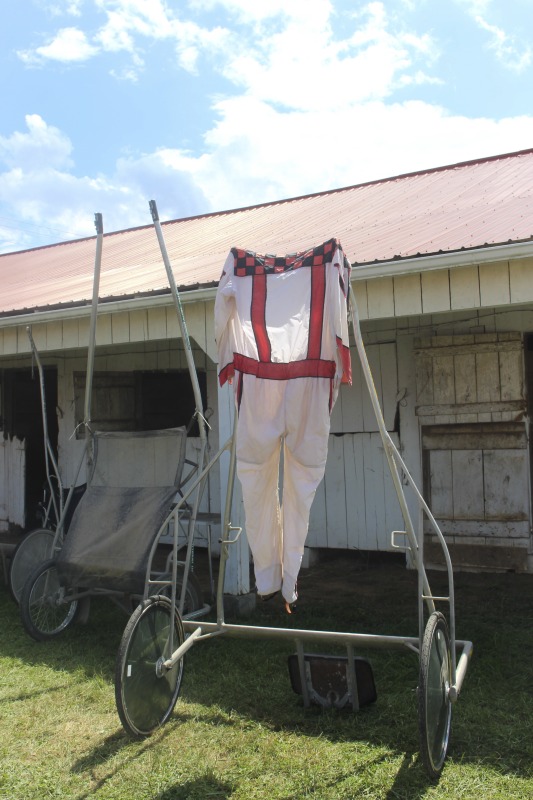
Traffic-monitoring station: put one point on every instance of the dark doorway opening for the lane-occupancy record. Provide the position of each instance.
(23, 418)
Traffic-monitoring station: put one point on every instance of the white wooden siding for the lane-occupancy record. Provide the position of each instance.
(12, 482)
(356, 504)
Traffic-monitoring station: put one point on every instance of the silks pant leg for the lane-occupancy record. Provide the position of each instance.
(296, 412)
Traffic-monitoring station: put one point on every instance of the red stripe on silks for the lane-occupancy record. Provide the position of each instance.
(258, 317)
(284, 370)
(316, 313)
(346, 361)
(226, 374)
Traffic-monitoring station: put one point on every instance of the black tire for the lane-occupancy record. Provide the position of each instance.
(434, 704)
(193, 593)
(34, 549)
(44, 610)
(145, 693)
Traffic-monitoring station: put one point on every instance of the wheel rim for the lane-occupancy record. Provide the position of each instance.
(49, 613)
(149, 692)
(35, 549)
(437, 707)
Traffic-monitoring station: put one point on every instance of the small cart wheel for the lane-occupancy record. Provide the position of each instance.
(434, 704)
(145, 691)
(193, 593)
(34, 549)
(44, 609)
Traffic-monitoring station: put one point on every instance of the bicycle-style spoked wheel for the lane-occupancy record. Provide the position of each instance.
(34, 549)
(434, 704)
(146, 692)
(44, 607)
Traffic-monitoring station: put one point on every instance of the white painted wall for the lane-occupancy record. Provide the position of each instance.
(12, 482)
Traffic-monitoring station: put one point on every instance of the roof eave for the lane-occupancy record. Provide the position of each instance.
(465, 257)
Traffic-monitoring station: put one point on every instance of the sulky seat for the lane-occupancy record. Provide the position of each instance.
(132, 484)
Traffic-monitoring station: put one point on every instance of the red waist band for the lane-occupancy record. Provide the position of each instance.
(284, 371)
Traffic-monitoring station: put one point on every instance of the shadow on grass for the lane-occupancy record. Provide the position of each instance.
(89, 648)
(206, 786)
(243, 682)
(109, 748)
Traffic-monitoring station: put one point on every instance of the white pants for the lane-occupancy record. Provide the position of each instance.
(296, 414)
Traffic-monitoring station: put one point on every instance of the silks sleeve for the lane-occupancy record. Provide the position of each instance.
(342, 293)
(224, 316)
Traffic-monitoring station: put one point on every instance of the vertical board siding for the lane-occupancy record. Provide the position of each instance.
(157, 323)
(356, 505)
(478, 482)
(436, 291)
(511, 375)
(506, 485)
(361, 298)
(440, 484)
(465, 378)
(139, 325)
(120, 328)
(464, 288)
(494, 286)
(488, 377)
(521, 280)
(14, 462)
(467, 484)
(444, 379)
(407, 295)
(380, 297)
(335, 486)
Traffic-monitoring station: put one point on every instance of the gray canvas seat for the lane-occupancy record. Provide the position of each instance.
(132, 485)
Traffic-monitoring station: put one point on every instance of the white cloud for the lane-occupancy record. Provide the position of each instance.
(297, 152)
(304, 66)
(249, 11)
(511, 52)
(39, 186)
(508, 51)
(69, 44)
(128, 26)
(311, 110)
(70, 7)
(42, 144)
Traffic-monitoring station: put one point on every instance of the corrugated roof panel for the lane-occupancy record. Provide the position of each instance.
(468, 205)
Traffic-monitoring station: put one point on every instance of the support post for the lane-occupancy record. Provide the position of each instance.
(237, 580)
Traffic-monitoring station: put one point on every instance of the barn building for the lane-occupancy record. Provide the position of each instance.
(443, 278)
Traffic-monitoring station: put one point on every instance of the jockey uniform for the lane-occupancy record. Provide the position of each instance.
(282, 336)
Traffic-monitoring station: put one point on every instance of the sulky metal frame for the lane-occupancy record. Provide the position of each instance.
(147, 686)
(41, 544)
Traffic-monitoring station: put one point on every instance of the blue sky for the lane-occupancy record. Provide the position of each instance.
(207, 105)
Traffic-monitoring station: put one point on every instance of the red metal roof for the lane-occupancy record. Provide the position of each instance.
(467, 205)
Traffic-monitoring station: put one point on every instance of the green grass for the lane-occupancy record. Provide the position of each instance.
(238, 730)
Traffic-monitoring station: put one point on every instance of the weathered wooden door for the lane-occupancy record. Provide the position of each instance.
(472, 409)
(12, 482)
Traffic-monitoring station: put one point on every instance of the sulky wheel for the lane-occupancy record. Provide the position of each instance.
(146, 692)
(193, 593)
(434, 704)
(44, 609)
(34, 549)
